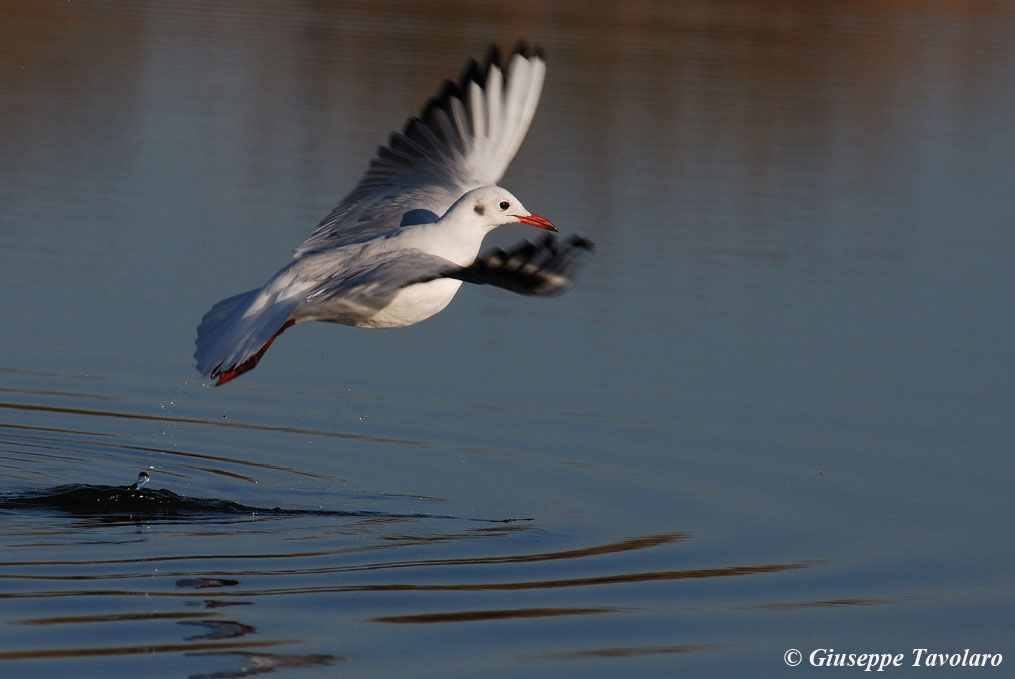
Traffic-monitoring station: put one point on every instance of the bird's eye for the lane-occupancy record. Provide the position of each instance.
(504, 205)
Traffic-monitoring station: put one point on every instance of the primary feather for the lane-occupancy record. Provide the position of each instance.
(465, 138)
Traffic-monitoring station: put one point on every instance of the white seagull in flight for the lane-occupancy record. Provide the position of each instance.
(395, 250)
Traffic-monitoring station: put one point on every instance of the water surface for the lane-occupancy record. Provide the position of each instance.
(775, 413)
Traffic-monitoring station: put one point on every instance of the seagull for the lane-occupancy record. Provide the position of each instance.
(398, 247)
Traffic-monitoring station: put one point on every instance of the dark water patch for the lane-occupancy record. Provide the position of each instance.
(135, 501)
(474, 616)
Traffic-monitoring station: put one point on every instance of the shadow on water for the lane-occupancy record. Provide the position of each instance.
(135, 501)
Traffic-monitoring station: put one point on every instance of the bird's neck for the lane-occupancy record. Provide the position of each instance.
(455, 237)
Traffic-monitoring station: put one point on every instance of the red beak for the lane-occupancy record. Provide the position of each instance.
(536, 220)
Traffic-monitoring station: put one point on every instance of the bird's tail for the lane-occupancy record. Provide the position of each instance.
(235, 333)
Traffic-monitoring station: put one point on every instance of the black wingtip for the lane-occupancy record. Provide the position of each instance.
(546, 268)
(582, 242)
(450, 90)
(474, 71)
(478, 71)
(492, 57)
(529, 50)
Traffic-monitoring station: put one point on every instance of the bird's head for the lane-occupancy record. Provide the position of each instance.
(492, 206)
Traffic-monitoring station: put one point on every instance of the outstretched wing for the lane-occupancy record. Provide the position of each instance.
(465, 138)
(543, 268)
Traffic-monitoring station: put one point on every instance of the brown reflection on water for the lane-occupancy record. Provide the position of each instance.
(144, 649)
(110, 617)
(232, 637)
(691, 574)
(609, 548)
(621, 578)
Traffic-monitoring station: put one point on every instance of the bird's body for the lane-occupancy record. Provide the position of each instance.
(396, 250)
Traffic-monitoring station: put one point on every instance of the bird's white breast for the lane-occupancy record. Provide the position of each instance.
(413, 304)
(409, 305)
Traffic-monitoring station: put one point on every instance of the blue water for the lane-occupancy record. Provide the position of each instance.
(775, 413)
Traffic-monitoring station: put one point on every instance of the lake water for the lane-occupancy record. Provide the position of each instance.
(776, 412)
